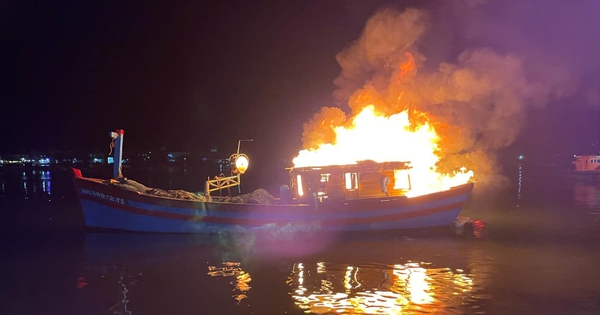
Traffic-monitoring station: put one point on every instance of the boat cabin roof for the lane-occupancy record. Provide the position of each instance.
(587, 157)
(367, 165)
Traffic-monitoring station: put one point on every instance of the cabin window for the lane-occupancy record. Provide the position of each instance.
(323, 185)
(299, 183)
(351, 180)
(401, 180)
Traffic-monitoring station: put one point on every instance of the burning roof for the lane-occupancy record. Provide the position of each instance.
(366, 165)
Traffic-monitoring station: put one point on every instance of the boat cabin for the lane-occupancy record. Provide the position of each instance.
(587, 163)
(366, 179)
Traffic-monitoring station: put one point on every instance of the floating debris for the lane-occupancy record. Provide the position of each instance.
(465, 226)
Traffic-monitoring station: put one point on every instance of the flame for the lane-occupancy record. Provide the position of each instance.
(382, 138)
(381, 131)
(406, 67)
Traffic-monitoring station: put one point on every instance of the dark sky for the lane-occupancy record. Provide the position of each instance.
(189, 75)
(171, 73)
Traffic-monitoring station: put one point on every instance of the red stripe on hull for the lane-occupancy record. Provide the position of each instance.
(393, 217)
(347, 206)
(255, 222)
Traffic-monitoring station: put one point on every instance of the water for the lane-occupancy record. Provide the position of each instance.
(536, 254)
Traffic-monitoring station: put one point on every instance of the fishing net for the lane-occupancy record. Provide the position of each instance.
(132, 185)
(259, 196)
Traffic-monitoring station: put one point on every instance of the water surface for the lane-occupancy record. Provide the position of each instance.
(536, 254)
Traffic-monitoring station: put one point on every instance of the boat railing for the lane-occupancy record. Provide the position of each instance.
(221, 182)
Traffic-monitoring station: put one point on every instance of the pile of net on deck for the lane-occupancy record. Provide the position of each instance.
(259, 196)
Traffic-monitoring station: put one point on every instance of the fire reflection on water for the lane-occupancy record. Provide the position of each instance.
(241, 279)
(388, 289)
(520, 185)
(587, 197)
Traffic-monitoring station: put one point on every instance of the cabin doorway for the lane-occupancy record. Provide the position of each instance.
(351, 185)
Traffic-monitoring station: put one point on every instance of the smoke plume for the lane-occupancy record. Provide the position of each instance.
(477, 95)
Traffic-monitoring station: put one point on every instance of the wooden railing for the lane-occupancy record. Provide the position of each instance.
(221, 182)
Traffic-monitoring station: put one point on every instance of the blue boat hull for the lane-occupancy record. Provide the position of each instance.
(108, 207)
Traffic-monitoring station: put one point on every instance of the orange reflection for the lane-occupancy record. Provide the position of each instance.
(587, 196)
(388, 289)
(233, 269)
(414, 281)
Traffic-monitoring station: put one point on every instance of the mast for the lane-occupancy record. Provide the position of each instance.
(117, 137)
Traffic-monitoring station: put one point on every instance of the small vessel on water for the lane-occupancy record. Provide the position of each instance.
(366, 196)
(587, 167)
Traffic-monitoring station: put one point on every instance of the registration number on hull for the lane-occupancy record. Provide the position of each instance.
(102, 196)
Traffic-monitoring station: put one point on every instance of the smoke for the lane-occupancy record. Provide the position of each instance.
(456, 64)
(320, 129)
(387, 35)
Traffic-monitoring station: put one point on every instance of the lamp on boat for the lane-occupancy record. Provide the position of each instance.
(239, 163)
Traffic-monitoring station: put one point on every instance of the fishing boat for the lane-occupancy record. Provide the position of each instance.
(365, 196)
(587, 168)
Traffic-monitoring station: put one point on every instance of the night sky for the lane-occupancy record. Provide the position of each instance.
(178, 74)
(188, 75)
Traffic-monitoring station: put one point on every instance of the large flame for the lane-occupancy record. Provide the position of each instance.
(375, 136)
(388, 135)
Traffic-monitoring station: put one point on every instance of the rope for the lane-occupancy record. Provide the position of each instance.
(111, 146)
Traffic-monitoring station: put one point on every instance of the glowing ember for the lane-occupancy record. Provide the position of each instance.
(374, 136)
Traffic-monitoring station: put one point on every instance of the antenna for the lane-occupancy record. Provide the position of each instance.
(240, 142)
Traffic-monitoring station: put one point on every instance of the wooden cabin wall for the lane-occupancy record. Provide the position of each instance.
(369, 184)
(335, 187)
